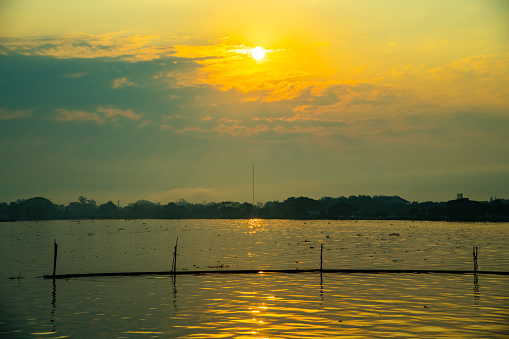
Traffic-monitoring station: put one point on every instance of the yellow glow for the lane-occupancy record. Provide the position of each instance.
(255, 222)
(255, 225)
(230, 65)
(258, 53)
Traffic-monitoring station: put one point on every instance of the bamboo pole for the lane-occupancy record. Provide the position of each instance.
(475, 252)
(55, 250)
(321, 263)
(174, 264)
(278, 271)
(321, 257)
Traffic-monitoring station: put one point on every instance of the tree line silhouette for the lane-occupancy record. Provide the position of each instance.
(352, 207)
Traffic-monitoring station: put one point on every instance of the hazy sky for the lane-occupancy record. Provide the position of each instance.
(162, 100)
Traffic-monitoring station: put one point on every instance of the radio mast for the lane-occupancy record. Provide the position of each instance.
(253, 184)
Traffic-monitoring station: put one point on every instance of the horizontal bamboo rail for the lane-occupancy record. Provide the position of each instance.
(346, 270)
(320, 270)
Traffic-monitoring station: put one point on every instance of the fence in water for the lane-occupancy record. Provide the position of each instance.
(321, 270)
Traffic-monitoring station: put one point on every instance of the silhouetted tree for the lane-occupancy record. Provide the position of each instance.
(144, 209)
(4, 211)
(341, 210)
(465, 209)
(84, 208)
(383, 207)
(38, 208)
(174, 211)
(499, 209)
(246, 210)
(300, 207)
(14, 210)
(108, 210)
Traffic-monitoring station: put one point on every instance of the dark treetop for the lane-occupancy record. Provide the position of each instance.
(353, 207)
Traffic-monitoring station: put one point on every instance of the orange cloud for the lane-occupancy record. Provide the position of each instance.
(481, 80)
(235, 129)
(130, 48)
(223, 66)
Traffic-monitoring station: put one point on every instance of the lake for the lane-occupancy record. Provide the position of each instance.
(270, 305)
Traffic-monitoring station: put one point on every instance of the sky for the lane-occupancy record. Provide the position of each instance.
(162, 100)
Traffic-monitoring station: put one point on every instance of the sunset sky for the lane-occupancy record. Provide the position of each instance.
(162, 100)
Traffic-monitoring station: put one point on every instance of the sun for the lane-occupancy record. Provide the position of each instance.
(258, 53)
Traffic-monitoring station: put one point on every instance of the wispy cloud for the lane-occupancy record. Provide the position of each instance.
(67, 115)
(479, 80)
(235, 128)
(112, 112)
(76, 75)
(102, 115)
(123, 82)
(6, 114)
(306, 103)
(116, 45)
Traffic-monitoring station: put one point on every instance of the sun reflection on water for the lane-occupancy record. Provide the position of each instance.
(255, 225)
(265, 305)
(279, 306)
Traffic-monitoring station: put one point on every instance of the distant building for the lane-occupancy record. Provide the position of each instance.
(459, 196)
(313, 213)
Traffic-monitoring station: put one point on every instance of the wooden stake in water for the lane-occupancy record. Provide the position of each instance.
(321, 263)
(174, 263)
(55, 249)
(475, 252)
(321, 258)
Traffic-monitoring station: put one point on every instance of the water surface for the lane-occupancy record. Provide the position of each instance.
(253, 305)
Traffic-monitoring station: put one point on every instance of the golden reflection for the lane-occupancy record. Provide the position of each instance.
(255, 222)
(255, 225)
